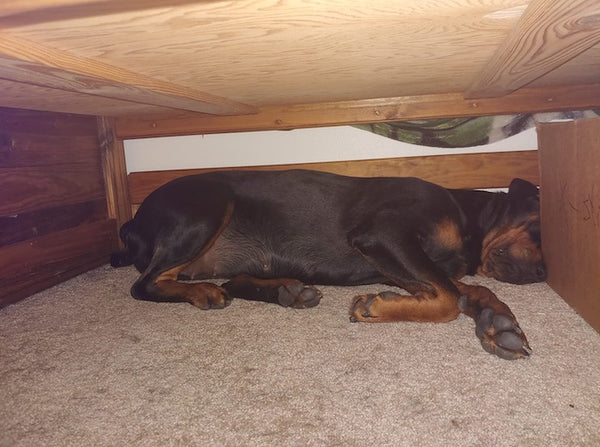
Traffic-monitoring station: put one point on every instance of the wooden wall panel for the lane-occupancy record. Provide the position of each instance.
(487, 170)
(570, 162)
(45, 123)
(54, 221)
(35, 264)
(26, 149)
(28, 189)
(23, 226)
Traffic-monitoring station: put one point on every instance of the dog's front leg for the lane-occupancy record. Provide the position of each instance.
(390, 245)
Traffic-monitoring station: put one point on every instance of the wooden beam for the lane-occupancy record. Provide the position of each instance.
(25, 6)
(364, 111)
(115, 172)
(485, 170)
(15, 13)
(31, 63)
(548, 34)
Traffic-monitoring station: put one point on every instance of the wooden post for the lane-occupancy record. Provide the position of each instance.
(115, 172)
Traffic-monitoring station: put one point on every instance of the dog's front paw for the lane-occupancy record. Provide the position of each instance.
(370, 308)
(359, 310)
(501, 335)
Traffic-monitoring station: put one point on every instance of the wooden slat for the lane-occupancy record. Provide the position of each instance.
(18, 150)
(17, 95)
(364, 111)
(549, 33)
(115, 172)
(29, 189)
(31, 6)
(487, 170)
(21, 227)
(31, 63)
(36, 264)
(45, 123)
(21, 12)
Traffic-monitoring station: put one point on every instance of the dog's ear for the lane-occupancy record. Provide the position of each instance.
(520, 189)
(524, 197)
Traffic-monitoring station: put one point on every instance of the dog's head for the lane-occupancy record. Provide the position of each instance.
(511, 250)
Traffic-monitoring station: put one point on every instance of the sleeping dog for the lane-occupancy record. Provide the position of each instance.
(275, 234)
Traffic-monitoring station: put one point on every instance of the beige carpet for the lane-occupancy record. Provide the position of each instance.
(83, 364)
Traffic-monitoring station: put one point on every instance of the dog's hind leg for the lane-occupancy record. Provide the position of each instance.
(187, 230)
(495, 325)
(166, 288)
(283, 291)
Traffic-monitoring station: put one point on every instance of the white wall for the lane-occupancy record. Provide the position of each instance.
(294, 146)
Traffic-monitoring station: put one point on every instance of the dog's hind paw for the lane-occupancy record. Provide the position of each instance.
(298, 295)
(286, 292)
(501, 335)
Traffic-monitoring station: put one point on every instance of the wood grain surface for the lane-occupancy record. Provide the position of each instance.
(137, 58)
(549, 34)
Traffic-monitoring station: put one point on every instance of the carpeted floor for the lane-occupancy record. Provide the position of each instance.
(83, 364)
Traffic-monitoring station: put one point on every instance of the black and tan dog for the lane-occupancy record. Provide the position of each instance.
(274, 234)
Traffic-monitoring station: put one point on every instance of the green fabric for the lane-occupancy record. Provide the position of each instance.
(457, 132)
(465, 132)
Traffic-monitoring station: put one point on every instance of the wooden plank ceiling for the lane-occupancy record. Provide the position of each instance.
(266, 59)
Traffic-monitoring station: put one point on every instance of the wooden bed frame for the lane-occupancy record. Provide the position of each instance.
(78, 77)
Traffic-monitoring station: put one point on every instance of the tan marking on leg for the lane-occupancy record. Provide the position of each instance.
(482, 297)
(205, 265)
(389, 306)
(203, 295)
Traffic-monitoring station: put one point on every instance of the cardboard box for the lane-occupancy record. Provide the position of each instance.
(570, 201)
